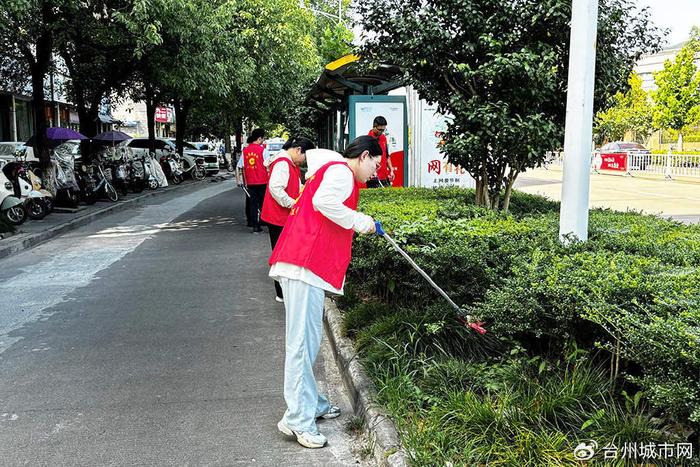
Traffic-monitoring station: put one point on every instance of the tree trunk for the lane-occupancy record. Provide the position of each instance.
(87, 115)
(239, 133)
(509, 191)
(151, 117)
(227, 135)
(182, 110)
(43, 49)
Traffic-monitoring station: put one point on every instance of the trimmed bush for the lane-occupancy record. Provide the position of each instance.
(631, 295)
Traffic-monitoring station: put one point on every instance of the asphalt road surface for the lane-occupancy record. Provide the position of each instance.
(151, 337)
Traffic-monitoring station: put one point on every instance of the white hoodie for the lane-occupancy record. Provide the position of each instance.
(335, 188)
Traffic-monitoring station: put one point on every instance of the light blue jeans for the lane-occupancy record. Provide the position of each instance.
(304, 316)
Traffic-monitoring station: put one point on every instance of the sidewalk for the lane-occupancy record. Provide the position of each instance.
(34, 232)
(677, 199)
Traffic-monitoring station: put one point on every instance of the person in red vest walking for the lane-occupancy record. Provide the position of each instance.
(310, 259)
(283, 189)
(385, 173)
(255, 175)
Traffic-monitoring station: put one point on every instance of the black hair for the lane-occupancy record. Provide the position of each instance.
(362, 144)
(379, 121)
(257, 133)
(302, 143)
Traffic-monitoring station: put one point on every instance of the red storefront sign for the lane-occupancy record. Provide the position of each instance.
(614, 161)
(164, 114)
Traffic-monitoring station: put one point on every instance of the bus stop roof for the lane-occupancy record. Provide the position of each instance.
(344, 77)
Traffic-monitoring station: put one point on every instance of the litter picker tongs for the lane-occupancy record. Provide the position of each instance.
(465, 319)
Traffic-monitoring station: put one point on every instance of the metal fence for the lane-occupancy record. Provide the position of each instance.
(668, 165)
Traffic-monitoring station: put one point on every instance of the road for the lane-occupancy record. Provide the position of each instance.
(151, 337)
(677, 199)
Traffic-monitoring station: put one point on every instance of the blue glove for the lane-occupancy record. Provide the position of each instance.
(379, 230)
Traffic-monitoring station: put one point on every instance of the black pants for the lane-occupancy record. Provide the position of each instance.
(249, 221)
(275, 231)
(257, 195)
(374, 183)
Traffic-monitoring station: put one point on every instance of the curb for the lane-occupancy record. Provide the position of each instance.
(32, 240)
(386, 444)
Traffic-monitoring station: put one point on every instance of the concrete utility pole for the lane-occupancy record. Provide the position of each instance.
(579, 120)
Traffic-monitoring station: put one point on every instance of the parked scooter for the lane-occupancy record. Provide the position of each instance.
(35, 205)
(172, 162)
(11, 207)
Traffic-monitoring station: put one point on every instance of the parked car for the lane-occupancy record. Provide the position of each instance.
(200, 145)
(211, 158)
(624, 146)
(637, 156)
(8, 150)
(273, 146)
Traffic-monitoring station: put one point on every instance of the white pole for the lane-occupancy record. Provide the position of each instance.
(579, 121)
(13, 124)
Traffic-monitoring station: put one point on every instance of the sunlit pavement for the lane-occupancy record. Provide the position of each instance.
(679, 199)
(151, 337)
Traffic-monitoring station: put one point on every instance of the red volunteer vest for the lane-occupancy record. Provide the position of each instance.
(272, 212)
(383, 170)
(254, 170)
(311, 240)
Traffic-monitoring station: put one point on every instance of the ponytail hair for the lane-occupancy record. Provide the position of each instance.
(302, 143)
(362, 144)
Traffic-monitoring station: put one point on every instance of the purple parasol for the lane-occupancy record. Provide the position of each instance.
(111, 137)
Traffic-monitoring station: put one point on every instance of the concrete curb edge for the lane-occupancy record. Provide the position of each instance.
(20, 244)
(387, 445)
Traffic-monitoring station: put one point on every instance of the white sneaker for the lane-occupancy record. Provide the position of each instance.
(279, 299)
(306, 439)
(333, 412)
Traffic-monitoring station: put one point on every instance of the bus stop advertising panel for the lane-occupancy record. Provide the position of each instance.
(363, 109)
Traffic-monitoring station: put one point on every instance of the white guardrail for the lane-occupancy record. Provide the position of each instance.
(668, 165)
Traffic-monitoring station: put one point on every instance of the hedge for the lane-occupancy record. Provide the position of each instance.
(629, 297)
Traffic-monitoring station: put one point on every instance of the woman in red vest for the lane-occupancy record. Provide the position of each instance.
(310, 259)
(283, 189)
(255, 175)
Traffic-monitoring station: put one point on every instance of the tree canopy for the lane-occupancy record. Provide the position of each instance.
(630, 111)
(677, 99)
(498, 69)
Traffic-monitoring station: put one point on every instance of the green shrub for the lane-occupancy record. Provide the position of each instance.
(630, 293)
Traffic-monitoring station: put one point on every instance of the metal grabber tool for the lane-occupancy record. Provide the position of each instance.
(465, 319)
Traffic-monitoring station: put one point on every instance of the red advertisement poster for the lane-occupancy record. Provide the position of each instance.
(161, 114)
(614, 161)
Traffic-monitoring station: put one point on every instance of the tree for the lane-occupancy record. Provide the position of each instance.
(27, 31)
(677, 99)
(98, 51)
(333, 38)
(630, 111)
(270, 55)
(497, 68)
